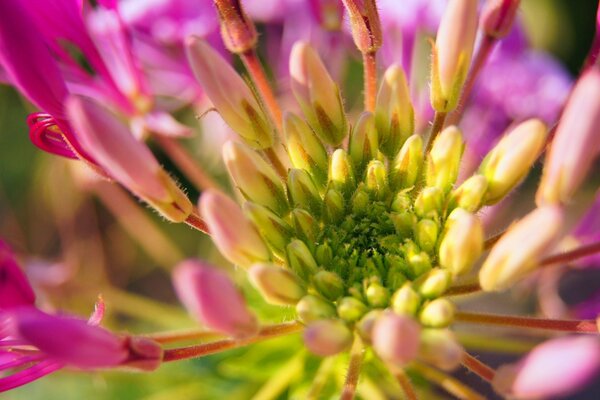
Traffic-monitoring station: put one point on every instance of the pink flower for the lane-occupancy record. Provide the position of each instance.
(15, 290)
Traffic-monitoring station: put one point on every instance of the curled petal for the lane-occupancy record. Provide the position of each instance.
(15, 289)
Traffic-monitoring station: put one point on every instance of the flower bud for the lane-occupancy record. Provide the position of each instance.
(15, 290)
(394, 113)
(443, 161)
(407, 164)
(511, 159)
(440, 348)
(333, 209)
(255, 179)
(327, 337)
(462, 243)
(210, 296)
(406, 300)
(452, 53)
(498, 16)
(329, 284)
(365, 326)
(277, 285)
(125, 159)
(575, 145)
(426, 234)
(521, 247)
(377, 295)
(318, 95)
(275, 231)
(470, 194)
(144, 354)
(300, 259)
(350, 309)
(376, 179)
(361, 201)
(303, 192)
(365, 24)
(363, 145)
(541, 373)
(438, 313)
(428, 203)
(305, 149)
(304, 224)
(237, 30)
(324, 254)
(329, 13)
(230, 95)
(312, 308)
(396, 338)
(419, 264)
(404, 222)
(434, 284)
(232, 233)
(341, 173)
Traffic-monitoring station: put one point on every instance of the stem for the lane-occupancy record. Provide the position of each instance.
(276, 162)
(488, 343)
(202, 350)
(463, 289)
(357, 354)
(197, 223)
(447, 382)
(320, 378)
(181, 336)
(579, 252)
(186, 163)
(575, 326)
(406, 385)
(474, 365)
(370, 80)
(487, 44)
(281, 379)
(436, 128)
(259, 78)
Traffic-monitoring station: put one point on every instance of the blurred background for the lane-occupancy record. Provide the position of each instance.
(78, 237)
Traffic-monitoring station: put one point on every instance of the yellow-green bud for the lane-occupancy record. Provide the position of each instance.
(304, 224)
(443, 161)
(256, 180)
(351, 309)
(434, 284)
(303, 192)
(462, 243)
(438, 313)
(361, 201)
(419, 264)
(440, 348)
(318, 95)
(426, 234)
(377, 295)
(300, 259)
(404, 222)
(277, 285)
(274, 230)
(341, 174)
(394, 113)
(312, 308)
(324, 254)
(401, 202)
(305, 149)
(407, 164)
(406, 300)
(363, 146)
(364, 327)
(376, 179)
(329, 284)
(333, 208)
(429, 202)
(511, 159)
(469, 195)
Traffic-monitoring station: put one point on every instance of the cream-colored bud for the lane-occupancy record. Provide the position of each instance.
(303, 192)
(440, 347)
(313, 308)
(407, 166)
(341, 174)
(443, 161)
(376, 179)
(275, 231)
(363, 145)
(300, 259)
(462, 243)
(438, 313)
(277, 285)
(470, 194)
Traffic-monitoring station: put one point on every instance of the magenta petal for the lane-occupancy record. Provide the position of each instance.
(46, 135)
(28, 375)
(210, 296)
(15, 289)
(69, 340)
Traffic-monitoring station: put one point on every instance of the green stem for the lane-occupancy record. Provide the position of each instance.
(447, 382)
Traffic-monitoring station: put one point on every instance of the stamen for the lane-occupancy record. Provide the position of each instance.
(196, 222)
(406, 384)
(447, 382)
(474, 365)
(575, 326)
(320, 378)
(568, 256)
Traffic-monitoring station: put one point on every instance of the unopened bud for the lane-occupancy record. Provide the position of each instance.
(327, 337)
(419, 264)
(275, 231)
(498, 16)
(329, 13)
(396, 338)
(305, 149)
(361, 201)
(443, 161)
(363, 145)
(329, 284)
(365, 326)
(256, 180)
(402, 202)
(312, 308)
(365, 24)
(237, 30)
(324, 254)
(351, 309)
(318, 95)
(440, 348)
(426, 234)
(144, 354)
(462, 243)
(333, 209)
(428, 203)
(303, 192)
(341, 173)
(452, 53)
(377, 295)
(277, 285)
(519, 249)
(394, 113)
(404, 222)
(235, 237)
(230, 95)
(304, 224)
(470, 194)
(406, 300)
(438, 313)
(511, 159)
(407, 165)
(376, 179)
(300, 259)
(434, 284)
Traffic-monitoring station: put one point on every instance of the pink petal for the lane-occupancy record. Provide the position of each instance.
(15, 289)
